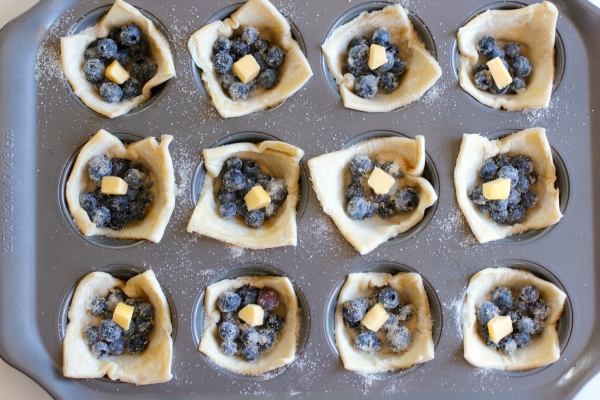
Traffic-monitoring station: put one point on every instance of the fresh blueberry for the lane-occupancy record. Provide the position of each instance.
(266, 339)
(515, 214)
(252, 85)
(394, 49)
(525, 325)
(131, 88)
(483, 80)
(388, 82)
(115, 296)
(229, 348)
(261, 60)
(134, 302)
(134, 178)
(390, 323)
(357, 208)
(485, 335)
(249, 337)
(523, 184)
(98, 305)
(250, 168)
(255, 218)
(109, 330)
(358, 56)
(107, 48)
(503, 160)
(248, 295)
(142, 49)
(268, 299)
(222, 62)
(372, 208)
(486, 311)
(146, 310)
(238, 91)
(249, 34)
(275, 323)
(498, 205)
(233, 180)
(260, 45)
(517, 86)
(528, 199)
(398, 339)
(394, 169)
(499, 216)
(118, 203)
(250, 353)
(487, 169)
(386, 210)
(502, 297)
(222, 44)
(368, 343)
(120, 166)
(507, 345)
(406, 200)
(100, 216)
(88, 201)
(355, 310)
(484, 208)
(271, 210)
(523, 165)
(496, 90)
(274, 57)
(92, 51)
(515, 317)
(360, 165)
(366, 86)
(476, 195)
(276, 189)
(93, 70)
(512, 50)
(529, 294)
(378, 198)
(111, 92)
(145, 197)
(514, 197)
(482, 67)
(225, 196)
(137, 343)
(143, 69)
(234, 163)
(382, 38)
(521, 306)
(496, 52)
(404, 311)
(100, 349)
(538, 327)
(539, 309)
(228, 331)
(92, 335)
(352, 190)
(130, 35)
(399, 66)
(228, 301)
(522, 66)
(522, 339)
(511, 173)
(486, 44)
(240, 208)
(117, 347)
(389, 63)
(360, 40)
(389, 298)
(227, 80)
(239, 47)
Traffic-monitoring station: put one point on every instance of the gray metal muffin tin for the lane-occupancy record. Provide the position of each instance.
(43, 256)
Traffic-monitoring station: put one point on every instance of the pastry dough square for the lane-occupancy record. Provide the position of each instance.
(261, 14)
(72, 50)
(150, 154)
(410, 288)
(330, 174)
(153, 365)
(534, 28)
(422, 70)
(543, 349)
(284, 351)
(532, 143)
(278, 159)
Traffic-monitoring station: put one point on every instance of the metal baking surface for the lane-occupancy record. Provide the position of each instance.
(43, 256)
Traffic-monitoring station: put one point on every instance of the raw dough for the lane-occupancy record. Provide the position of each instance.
(534, 28)
(542, 350)
(277, 159)
(410, 288)
(330, 174)
(475, 149)
(284, 351)
(422, 69)
(261, 14)
(153, 156)
(153, 365)
(73, 47)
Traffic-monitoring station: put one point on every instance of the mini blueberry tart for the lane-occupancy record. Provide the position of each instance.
(119, 329)
(383, 322)
(533, 29)
(251, 324)
(249, 61)
(407, 73)
(506, 186)
(250, 194)
(122, 191)
(374, 190)
(509, 320)
(94, 61)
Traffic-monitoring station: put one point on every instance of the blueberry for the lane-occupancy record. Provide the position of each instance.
(225, 196)
(255, 218)
(107, 48)
(512, 50)
(137, 343)
(249, 337)
(522, 66)
(227, 210)
(406, 200)
(229, 316)
(100, 349)
(485, 335)
(486, 311)
(250, 169)
(355, 310)
(511, 173)
(222, 44)
(503, 160)
(98, 306)
(109, 330)
(516, 215)
(116, 347)
(404, 311)
(143, 69)
(353, 190)
(129, 332)
(487, 169)
(517, 86)
(381, 37)
(130, 89)
(521, 306)
(398, 339)
(499, 216)
(538, 327)
(238, 91)
(386, 210)
(394, 49)
(389, 298)
(529, 294)
(360, 40)
(357, 208)
(92, 335)
(118, 203)
(476, 195)
(392, 168)
(514, 197)
(134, 302)
(115, 296)
(515, 317)
(228, 331)
(539, 309)
(111, 92)
(486, 44)
(92, 52)
(260, 45)
(390, 323)
(378, 198)
(525, 325)
(130, 35)
(366, 86)
(228, 301)
(233, 180)
(388, 82)
(239, 48)
(222, 62)
(248, 295)
(368, 343)
(247, 186)
(266, 339)
(145, 197)
(268, 299)
(261, 60)
(88, 201)
(275, 323)
(502, 297)
(371, 209)
(145, 310)
(358, 56)
(119, 166)
(234, 163)
(522, 185)
(360, 165)
(100, 216)
(93, 70)
(354, 325)
(507, 345)
(274, 57)
(523, 165)
(399, 66)
(271, 210)
(240, 208)
(249, 34)
(496, 90)
(277, 190)
(134, 178)
(483, 80)
(252, 85)
(484, 208)
(141, 49)
(482, 67)
(522, 339)
(389, 63)
(229, 348)
(528, 199)
(250, 353)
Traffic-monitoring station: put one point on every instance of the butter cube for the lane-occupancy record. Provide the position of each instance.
(377, 56)
(113, 185)
(246, 68)
(252, 314)
(498, 189)
(380, 181)
(257, 198)
(499, 72)
(123, 314)
(375, 318)
(116, 73)
(499, 327)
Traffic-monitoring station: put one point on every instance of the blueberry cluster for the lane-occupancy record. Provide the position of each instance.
(521, 174)
(397, 336)
(386, 76)
(517, 65)
(227, 51)
(527, 312)
(114, 211)
(108, 338)
(241, 338)
(365, 203)
(127, 46)
(240, 176)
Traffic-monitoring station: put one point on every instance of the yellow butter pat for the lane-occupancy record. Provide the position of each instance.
(375, 318)
(246, 68)
(498, 189)
(252, 314)
(499, 72)
(499, 328)
(113, 185)
(380, 181)
(257, 198)
(377, 56)
(116, 73)
(123, 314)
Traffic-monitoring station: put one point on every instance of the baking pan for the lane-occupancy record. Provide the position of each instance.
(43, 255)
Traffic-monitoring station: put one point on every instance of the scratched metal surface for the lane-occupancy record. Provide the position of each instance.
(42, 256)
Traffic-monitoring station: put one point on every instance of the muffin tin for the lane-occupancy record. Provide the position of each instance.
(43, 256)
